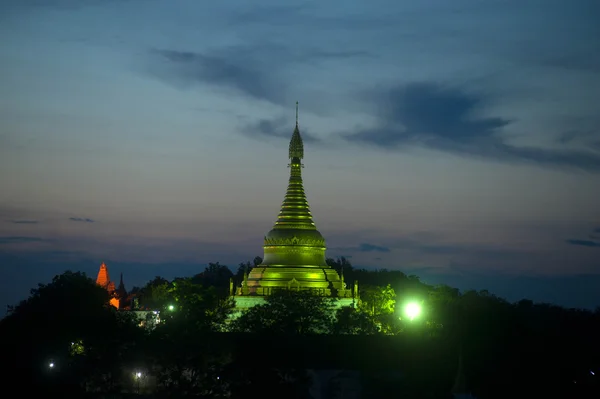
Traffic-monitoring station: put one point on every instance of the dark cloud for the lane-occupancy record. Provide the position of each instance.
(471, 251)
(189, 67)
(24, 221)
(17, 240)
(278, 127)
(364, 247)
(431, 245)
(584, 138)
(86, 220)
(584, 243)
(594, 241)
(253, 70)
(445, 119)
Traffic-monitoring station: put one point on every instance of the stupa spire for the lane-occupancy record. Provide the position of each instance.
(295, 212)
(296, 144)
(294, 250)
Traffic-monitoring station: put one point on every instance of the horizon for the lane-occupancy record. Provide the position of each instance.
(458, 142)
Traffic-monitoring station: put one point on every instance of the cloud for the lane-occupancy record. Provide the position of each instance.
(278, 127)
(220, 70)
(584, 243)
(587, 137)
(431, 247)
(25, 221)
(446, 119)
(17, 240)
(594, 241)
(86, 220)
(364, 247)
(253, 70)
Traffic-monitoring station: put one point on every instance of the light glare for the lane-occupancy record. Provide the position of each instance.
(412, 310)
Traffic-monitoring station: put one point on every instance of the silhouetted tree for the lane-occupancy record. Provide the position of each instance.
(155, 294)
(184, 362)
(288, 312)
(59, 337)
(217, 276)
(349, 320)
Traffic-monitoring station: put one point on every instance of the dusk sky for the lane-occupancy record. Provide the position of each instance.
(455, 140)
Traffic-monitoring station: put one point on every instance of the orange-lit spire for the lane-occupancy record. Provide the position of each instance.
(103, 279)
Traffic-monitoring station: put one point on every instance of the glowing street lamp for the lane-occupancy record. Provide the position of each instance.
(51, 365)
(412, 310)
(138, 377)
(171, 308)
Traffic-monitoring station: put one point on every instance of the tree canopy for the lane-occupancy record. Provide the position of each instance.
(65, 338)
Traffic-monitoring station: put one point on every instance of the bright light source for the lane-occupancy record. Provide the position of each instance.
(412, 310)
(171, 307)
(51, 365)
(138, 374)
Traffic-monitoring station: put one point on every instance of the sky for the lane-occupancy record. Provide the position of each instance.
(455, 140)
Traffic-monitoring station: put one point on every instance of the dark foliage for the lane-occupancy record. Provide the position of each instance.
(505, 349)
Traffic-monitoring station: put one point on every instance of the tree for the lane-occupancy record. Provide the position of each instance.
(246, 267)
(217, 276)
(288, 312)
(243, 268)
(340, 264)
(61, 334)
(379, 304)
(184, 362)
(350, 320)
(155, 294)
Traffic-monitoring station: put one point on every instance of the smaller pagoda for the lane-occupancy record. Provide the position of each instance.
(118, 296)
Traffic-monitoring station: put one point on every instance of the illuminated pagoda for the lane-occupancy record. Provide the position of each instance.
(103, 279)
(294, 250)
(118, 296)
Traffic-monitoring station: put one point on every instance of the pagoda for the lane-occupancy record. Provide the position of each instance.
(294, 250)
(118, 296)
(103, 279)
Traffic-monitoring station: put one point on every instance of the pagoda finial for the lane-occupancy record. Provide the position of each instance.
(296, 145)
